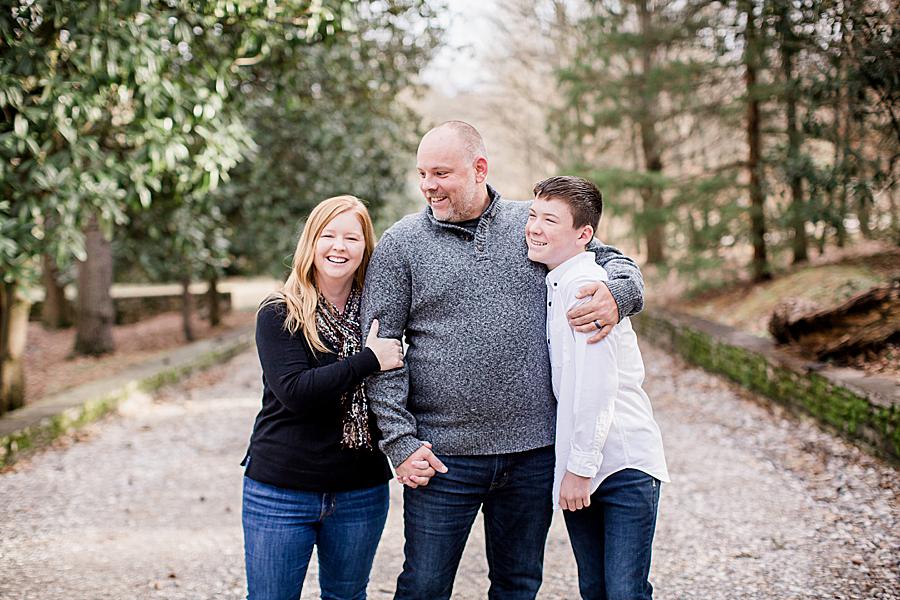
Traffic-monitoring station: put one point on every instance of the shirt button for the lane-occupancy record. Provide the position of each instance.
(549, 304)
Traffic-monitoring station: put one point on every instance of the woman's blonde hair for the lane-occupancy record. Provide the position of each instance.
(300, 293)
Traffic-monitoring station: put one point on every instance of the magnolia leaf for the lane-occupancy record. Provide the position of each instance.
(144, 196)
(20, 125)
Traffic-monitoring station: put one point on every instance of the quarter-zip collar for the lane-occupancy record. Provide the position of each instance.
(483, 221)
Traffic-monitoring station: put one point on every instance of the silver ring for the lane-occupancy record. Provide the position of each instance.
(598, 324)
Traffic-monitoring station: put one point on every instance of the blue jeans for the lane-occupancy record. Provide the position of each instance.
(613, 537)
(281, 527)
(514, 493)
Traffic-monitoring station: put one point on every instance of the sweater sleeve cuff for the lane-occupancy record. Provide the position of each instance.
(585, 465)
(368, 362)
(627, 297)
(400, 449)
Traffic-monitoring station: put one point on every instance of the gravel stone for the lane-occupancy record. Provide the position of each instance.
(146, 504)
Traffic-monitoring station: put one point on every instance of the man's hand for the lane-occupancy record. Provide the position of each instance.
(419, 467)
(599, 314)
(574, 492)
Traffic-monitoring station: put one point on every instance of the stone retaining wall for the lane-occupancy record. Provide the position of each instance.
(863, 408)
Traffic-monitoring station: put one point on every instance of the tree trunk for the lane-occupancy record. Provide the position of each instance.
(835, 196)
(760, 265)
(13, 334)
(653, 199)
(187, 309)
(96, 313)
(655, 236)
(895, 215)
(862, 212)
(841, 131)
(799, 242)
(695, 232)
(212, 301)
(856, 127)
(56, 312)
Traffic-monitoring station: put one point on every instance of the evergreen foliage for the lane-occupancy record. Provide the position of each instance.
(722, 125)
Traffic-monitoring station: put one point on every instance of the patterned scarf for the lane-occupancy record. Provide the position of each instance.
(343, 333)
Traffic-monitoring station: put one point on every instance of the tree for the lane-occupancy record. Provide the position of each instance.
(92, 95)
(635, 72)
(18, 265)
(327, 120)
(855, 81)
(751, 58)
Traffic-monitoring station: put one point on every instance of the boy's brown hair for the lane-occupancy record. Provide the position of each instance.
(584, 199)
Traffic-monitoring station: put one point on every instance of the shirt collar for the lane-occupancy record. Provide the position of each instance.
(557, 274)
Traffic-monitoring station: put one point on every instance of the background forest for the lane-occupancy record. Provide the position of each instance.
(185, 140)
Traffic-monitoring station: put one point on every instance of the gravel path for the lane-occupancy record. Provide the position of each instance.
(147, 504)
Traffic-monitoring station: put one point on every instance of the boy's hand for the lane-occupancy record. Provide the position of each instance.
(574, 492)
(597, 315)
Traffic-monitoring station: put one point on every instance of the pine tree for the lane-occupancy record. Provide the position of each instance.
(637, 68)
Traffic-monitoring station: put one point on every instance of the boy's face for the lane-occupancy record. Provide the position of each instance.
(551, 233)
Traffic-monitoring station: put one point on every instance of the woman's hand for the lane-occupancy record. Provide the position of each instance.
(388, 351)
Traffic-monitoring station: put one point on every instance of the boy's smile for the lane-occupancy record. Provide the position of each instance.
(551, 233)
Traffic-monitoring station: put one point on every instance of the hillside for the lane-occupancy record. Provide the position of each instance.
(748, 307)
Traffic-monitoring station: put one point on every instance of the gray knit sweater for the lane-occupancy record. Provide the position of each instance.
(476, 378)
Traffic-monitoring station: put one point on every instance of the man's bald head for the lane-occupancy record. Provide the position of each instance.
(471, 141)
(453, 170)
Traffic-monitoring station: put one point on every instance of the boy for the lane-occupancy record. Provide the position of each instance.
(609, 454)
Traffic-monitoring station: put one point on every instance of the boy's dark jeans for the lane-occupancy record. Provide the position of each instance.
(613, 537)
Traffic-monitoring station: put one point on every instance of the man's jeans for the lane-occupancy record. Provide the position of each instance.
(514, 492)
(612, 538)
(281, 527)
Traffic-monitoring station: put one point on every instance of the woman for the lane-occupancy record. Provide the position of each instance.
(313, 474)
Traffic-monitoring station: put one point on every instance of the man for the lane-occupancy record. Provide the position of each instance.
(474, 400)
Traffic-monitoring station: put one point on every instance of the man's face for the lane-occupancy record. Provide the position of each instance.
(551, 233)
(449, 179)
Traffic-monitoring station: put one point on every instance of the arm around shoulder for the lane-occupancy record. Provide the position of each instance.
(626, 284)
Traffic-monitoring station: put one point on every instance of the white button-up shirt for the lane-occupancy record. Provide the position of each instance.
(604, 421)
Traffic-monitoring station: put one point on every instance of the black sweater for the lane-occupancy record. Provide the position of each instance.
(296, 441)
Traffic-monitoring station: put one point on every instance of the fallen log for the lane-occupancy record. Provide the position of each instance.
(867, 320)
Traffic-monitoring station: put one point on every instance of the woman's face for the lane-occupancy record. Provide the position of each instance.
(339, 249)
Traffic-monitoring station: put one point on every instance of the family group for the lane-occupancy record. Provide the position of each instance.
(518, 392)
